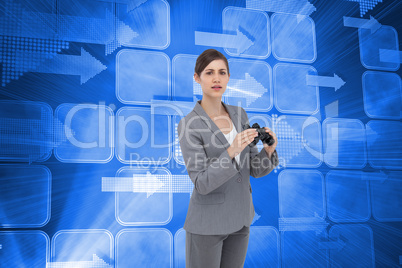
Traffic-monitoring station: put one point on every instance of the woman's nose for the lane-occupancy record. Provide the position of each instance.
(216, 78)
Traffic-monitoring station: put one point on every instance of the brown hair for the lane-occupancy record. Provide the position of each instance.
(206, 58)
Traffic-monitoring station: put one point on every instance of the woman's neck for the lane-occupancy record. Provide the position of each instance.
(212, 107)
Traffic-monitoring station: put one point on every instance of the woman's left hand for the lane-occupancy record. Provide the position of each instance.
(270, 149)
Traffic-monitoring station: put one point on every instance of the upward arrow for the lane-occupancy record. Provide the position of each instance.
(85, 65)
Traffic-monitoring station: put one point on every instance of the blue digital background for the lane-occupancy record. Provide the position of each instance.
(91, 171)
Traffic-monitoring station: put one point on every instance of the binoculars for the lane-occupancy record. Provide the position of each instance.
(264, 136)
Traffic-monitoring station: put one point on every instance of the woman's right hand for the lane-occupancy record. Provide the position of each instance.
(241, 140)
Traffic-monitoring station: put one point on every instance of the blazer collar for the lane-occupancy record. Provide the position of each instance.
(234, 116)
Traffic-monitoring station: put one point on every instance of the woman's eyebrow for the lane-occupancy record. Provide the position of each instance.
(224, 69)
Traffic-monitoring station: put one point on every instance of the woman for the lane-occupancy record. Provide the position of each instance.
(219, 161)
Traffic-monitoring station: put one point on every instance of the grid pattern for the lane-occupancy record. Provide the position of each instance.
(366, 5)
(26, 138)
(290, 142)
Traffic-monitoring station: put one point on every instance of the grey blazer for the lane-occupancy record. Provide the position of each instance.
(221, 202)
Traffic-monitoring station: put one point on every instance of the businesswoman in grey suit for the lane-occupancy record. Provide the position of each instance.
(219, 161)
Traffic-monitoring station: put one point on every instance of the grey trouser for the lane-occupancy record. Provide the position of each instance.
(215, 251)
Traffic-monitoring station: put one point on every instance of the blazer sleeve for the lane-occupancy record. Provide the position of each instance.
(260, 164)
(206, 173)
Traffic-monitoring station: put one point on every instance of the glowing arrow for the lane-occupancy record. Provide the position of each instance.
(21, 23)
(148, 183)
(315, 223)
(238, 41)
(96, 262)
(371, 24)
(248, 88)
(375, 176)
(302, 7)
(84, 65)
(389, 55)
(332, 244)
(324, 81)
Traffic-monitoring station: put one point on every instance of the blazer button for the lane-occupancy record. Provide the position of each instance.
(239, 180)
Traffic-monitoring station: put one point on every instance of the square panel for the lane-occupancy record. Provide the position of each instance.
(292, 93)
(250, 85)
(293, 38)
(252, 26)
(84, 133)
(301, 194)
(142, 76)
(370, 44)
(351, 246)
(299, 140)
(24, 249)
(147, 199)
(26, 131)
(25, 195)
(348, 198)
(382, 93)
(344, 143)
(142, 137)
(144, 247)
(384, 144)
(82, 248)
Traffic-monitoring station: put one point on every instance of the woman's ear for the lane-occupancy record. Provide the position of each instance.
(197, 78)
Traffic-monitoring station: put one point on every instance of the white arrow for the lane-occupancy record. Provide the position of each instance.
(248, 88)
(84, 65)
(238, 41)
(324, 81)
(371, 24)
(148, 183)
(96, 262)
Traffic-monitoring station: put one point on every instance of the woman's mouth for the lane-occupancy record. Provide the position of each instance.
(216, 87)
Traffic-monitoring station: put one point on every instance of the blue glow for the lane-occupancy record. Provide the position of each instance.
(91, 94)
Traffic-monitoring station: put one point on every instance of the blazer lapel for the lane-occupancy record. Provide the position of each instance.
(235, 116)
(211, 124)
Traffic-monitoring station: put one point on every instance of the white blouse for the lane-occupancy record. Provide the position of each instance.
(230, 137)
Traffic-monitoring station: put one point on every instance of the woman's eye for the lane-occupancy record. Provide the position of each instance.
(223, 73)
(208, 73)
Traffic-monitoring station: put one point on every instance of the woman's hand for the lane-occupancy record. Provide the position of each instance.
(241, 140)
(270, 149)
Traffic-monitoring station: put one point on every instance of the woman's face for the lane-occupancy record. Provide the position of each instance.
(213, 79)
